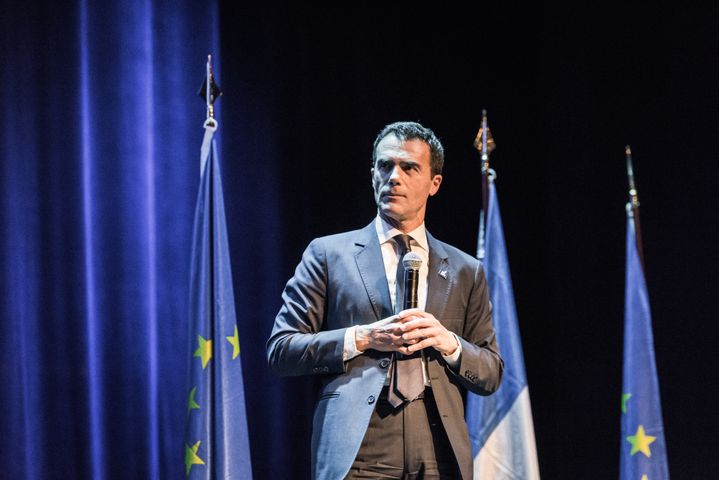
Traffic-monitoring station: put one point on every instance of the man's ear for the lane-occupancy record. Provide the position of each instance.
(436, 182)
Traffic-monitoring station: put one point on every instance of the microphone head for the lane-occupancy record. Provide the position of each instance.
(412, 261)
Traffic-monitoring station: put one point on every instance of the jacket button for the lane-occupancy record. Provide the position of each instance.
(384, 363)
(370, 399)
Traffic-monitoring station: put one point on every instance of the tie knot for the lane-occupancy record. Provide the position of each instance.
(403, 244)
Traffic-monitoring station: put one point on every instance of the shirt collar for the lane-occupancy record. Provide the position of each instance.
(386, 232)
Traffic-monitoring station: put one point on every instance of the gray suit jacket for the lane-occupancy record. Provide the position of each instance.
(341, 282)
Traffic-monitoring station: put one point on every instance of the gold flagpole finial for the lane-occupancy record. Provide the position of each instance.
(210, 91)
(484, 142)
(633, 205)
(633, 194)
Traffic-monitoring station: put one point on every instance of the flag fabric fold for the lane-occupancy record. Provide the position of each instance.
(216, 439)
(643, 450)
(500, 426)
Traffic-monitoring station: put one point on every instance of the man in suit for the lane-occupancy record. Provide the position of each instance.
(340, 320)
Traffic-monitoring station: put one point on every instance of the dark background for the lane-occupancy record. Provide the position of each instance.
(100, 128)
(566, 88)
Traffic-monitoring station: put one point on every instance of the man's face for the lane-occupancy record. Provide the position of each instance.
(402, 181)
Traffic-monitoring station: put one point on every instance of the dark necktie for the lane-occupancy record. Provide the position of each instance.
(407, 382)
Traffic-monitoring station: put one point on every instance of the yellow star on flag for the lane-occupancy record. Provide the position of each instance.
(235, 342)
(641, 441)
(191, 403)
(625, 399)
(191, 457)
(204, 350)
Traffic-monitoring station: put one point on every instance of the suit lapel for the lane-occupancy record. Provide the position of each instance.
(371, 270)
(439, 278)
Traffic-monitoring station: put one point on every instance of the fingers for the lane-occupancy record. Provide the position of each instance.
(419, 333)
(407, 332)
(385, 321)
(418, 345)
(419, 323)
(382, 340)
(409, 314)
(412, 315)
(439, 342)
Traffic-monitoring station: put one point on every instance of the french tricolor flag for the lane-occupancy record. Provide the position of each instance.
(500, 426)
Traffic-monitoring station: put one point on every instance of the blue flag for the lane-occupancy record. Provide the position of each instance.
(643, 451)
(500, 426)
(216, 441)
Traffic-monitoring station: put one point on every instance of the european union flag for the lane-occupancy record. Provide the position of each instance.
(643, 453)
(216, 441)
(500, 426)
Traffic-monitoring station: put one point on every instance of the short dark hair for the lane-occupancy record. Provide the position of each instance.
(414, 131)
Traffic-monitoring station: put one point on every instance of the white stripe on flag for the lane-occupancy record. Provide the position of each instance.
(510, 452)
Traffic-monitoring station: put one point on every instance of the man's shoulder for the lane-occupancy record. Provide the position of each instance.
(343, 239)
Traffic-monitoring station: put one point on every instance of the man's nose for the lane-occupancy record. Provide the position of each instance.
(394, 175)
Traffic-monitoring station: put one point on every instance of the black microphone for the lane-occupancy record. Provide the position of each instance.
(412, 263)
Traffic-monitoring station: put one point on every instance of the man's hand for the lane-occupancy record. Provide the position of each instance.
(384, 335)
(418, 330)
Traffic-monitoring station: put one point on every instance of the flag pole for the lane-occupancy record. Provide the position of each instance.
(216, 435)
(641, 405)
(484, 143)
(500, 426)
(210, 91)
(633, 204)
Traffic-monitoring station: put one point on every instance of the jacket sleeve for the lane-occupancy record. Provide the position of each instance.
(298, 344)
(481, 366)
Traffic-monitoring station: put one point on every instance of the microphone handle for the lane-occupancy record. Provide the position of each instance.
(411, 286)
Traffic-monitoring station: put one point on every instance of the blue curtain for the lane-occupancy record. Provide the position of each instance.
(101, 129)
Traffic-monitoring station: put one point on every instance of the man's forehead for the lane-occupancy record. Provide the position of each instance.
(391, 146)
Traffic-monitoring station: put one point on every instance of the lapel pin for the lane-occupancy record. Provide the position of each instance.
(443, 273)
